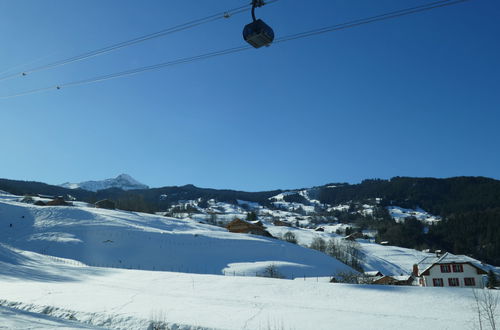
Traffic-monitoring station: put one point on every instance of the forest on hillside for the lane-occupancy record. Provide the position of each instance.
(469, 206)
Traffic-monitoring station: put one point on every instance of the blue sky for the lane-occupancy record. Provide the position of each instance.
(413, 96)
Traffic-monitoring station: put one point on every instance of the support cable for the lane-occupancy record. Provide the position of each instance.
(296, 36)
(120, 45)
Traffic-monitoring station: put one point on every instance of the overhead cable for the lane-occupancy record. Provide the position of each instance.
(302, 35)
(111, 48)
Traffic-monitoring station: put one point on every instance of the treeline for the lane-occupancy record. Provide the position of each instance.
(438, 196)
(145, 200)
(469, 206)
(475, 233)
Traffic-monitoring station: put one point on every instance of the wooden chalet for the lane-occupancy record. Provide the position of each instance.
(246, 227)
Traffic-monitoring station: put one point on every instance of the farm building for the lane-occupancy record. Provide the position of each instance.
(449, 270)
(246, 227)
(58, 201)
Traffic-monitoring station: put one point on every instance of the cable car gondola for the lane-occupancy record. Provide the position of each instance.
(258, 33)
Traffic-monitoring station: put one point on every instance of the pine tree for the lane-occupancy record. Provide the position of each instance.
(251, 216)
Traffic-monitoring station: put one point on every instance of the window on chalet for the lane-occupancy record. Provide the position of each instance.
(458, 268)
(437, 282)
(453, 281)
(470, 281)
(445, 269)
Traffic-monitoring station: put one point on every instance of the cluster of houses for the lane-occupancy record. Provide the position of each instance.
(47, 200)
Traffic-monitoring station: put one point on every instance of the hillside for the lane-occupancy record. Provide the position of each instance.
(123, 239)
(458, 214)
(80, 267)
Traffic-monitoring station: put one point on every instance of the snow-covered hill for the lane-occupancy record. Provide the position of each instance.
(132, 299)
(110, 238)
(78, 267)
(122, 181)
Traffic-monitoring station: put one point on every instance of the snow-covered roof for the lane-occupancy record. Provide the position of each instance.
(401, 277)
(447, 258)
(373, 273)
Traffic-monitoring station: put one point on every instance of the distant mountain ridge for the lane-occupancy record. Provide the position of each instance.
(122, 181)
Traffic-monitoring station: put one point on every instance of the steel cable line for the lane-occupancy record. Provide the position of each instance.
(372, 19)
(111, 48)
(302, 35)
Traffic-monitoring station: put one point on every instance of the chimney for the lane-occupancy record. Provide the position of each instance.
(415, 270)
(439, 253)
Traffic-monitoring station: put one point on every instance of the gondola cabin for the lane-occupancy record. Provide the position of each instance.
(258, 34)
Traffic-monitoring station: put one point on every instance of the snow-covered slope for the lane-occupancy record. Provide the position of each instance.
(110, 238)
(122, 181)
(400, 214)
(133, 299)
(389, 260)
(49, 278)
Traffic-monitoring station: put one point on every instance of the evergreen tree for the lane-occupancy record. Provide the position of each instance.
(251, 216)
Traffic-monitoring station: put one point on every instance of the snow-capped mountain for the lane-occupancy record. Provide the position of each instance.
(122, 181)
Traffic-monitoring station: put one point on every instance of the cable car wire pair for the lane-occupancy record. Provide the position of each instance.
(258, 33)
(162, 33)
(301, 35)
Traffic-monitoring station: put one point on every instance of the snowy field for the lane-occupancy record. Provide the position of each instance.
(400, 214)
(80, 267)
(132, 299)
(130, 240)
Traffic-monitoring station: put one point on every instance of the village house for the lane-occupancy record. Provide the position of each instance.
(354, 236)
(373, 273)
(281, 223)
(58, 201)
(376, 277)
(248, 227)
(449, 270)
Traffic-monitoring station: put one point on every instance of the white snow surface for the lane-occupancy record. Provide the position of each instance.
(130, 299)
(121, 239)
(12, 318)
(122, 181)
(49, 278)
(400, 214)
(389, 260)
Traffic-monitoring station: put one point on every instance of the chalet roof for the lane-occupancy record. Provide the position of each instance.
(373, 273)
(256, 222)
(447, 258)
(402, 277)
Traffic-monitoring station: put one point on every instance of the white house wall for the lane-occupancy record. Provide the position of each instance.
(469, 271)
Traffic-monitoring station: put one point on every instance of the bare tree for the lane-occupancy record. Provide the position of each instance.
(290, 237)
(212, 218)
(271, 271)
(318, 244)
(487, 307)
(345, 277)
(349, 252)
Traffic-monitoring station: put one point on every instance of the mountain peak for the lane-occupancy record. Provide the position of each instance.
(122, 181)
